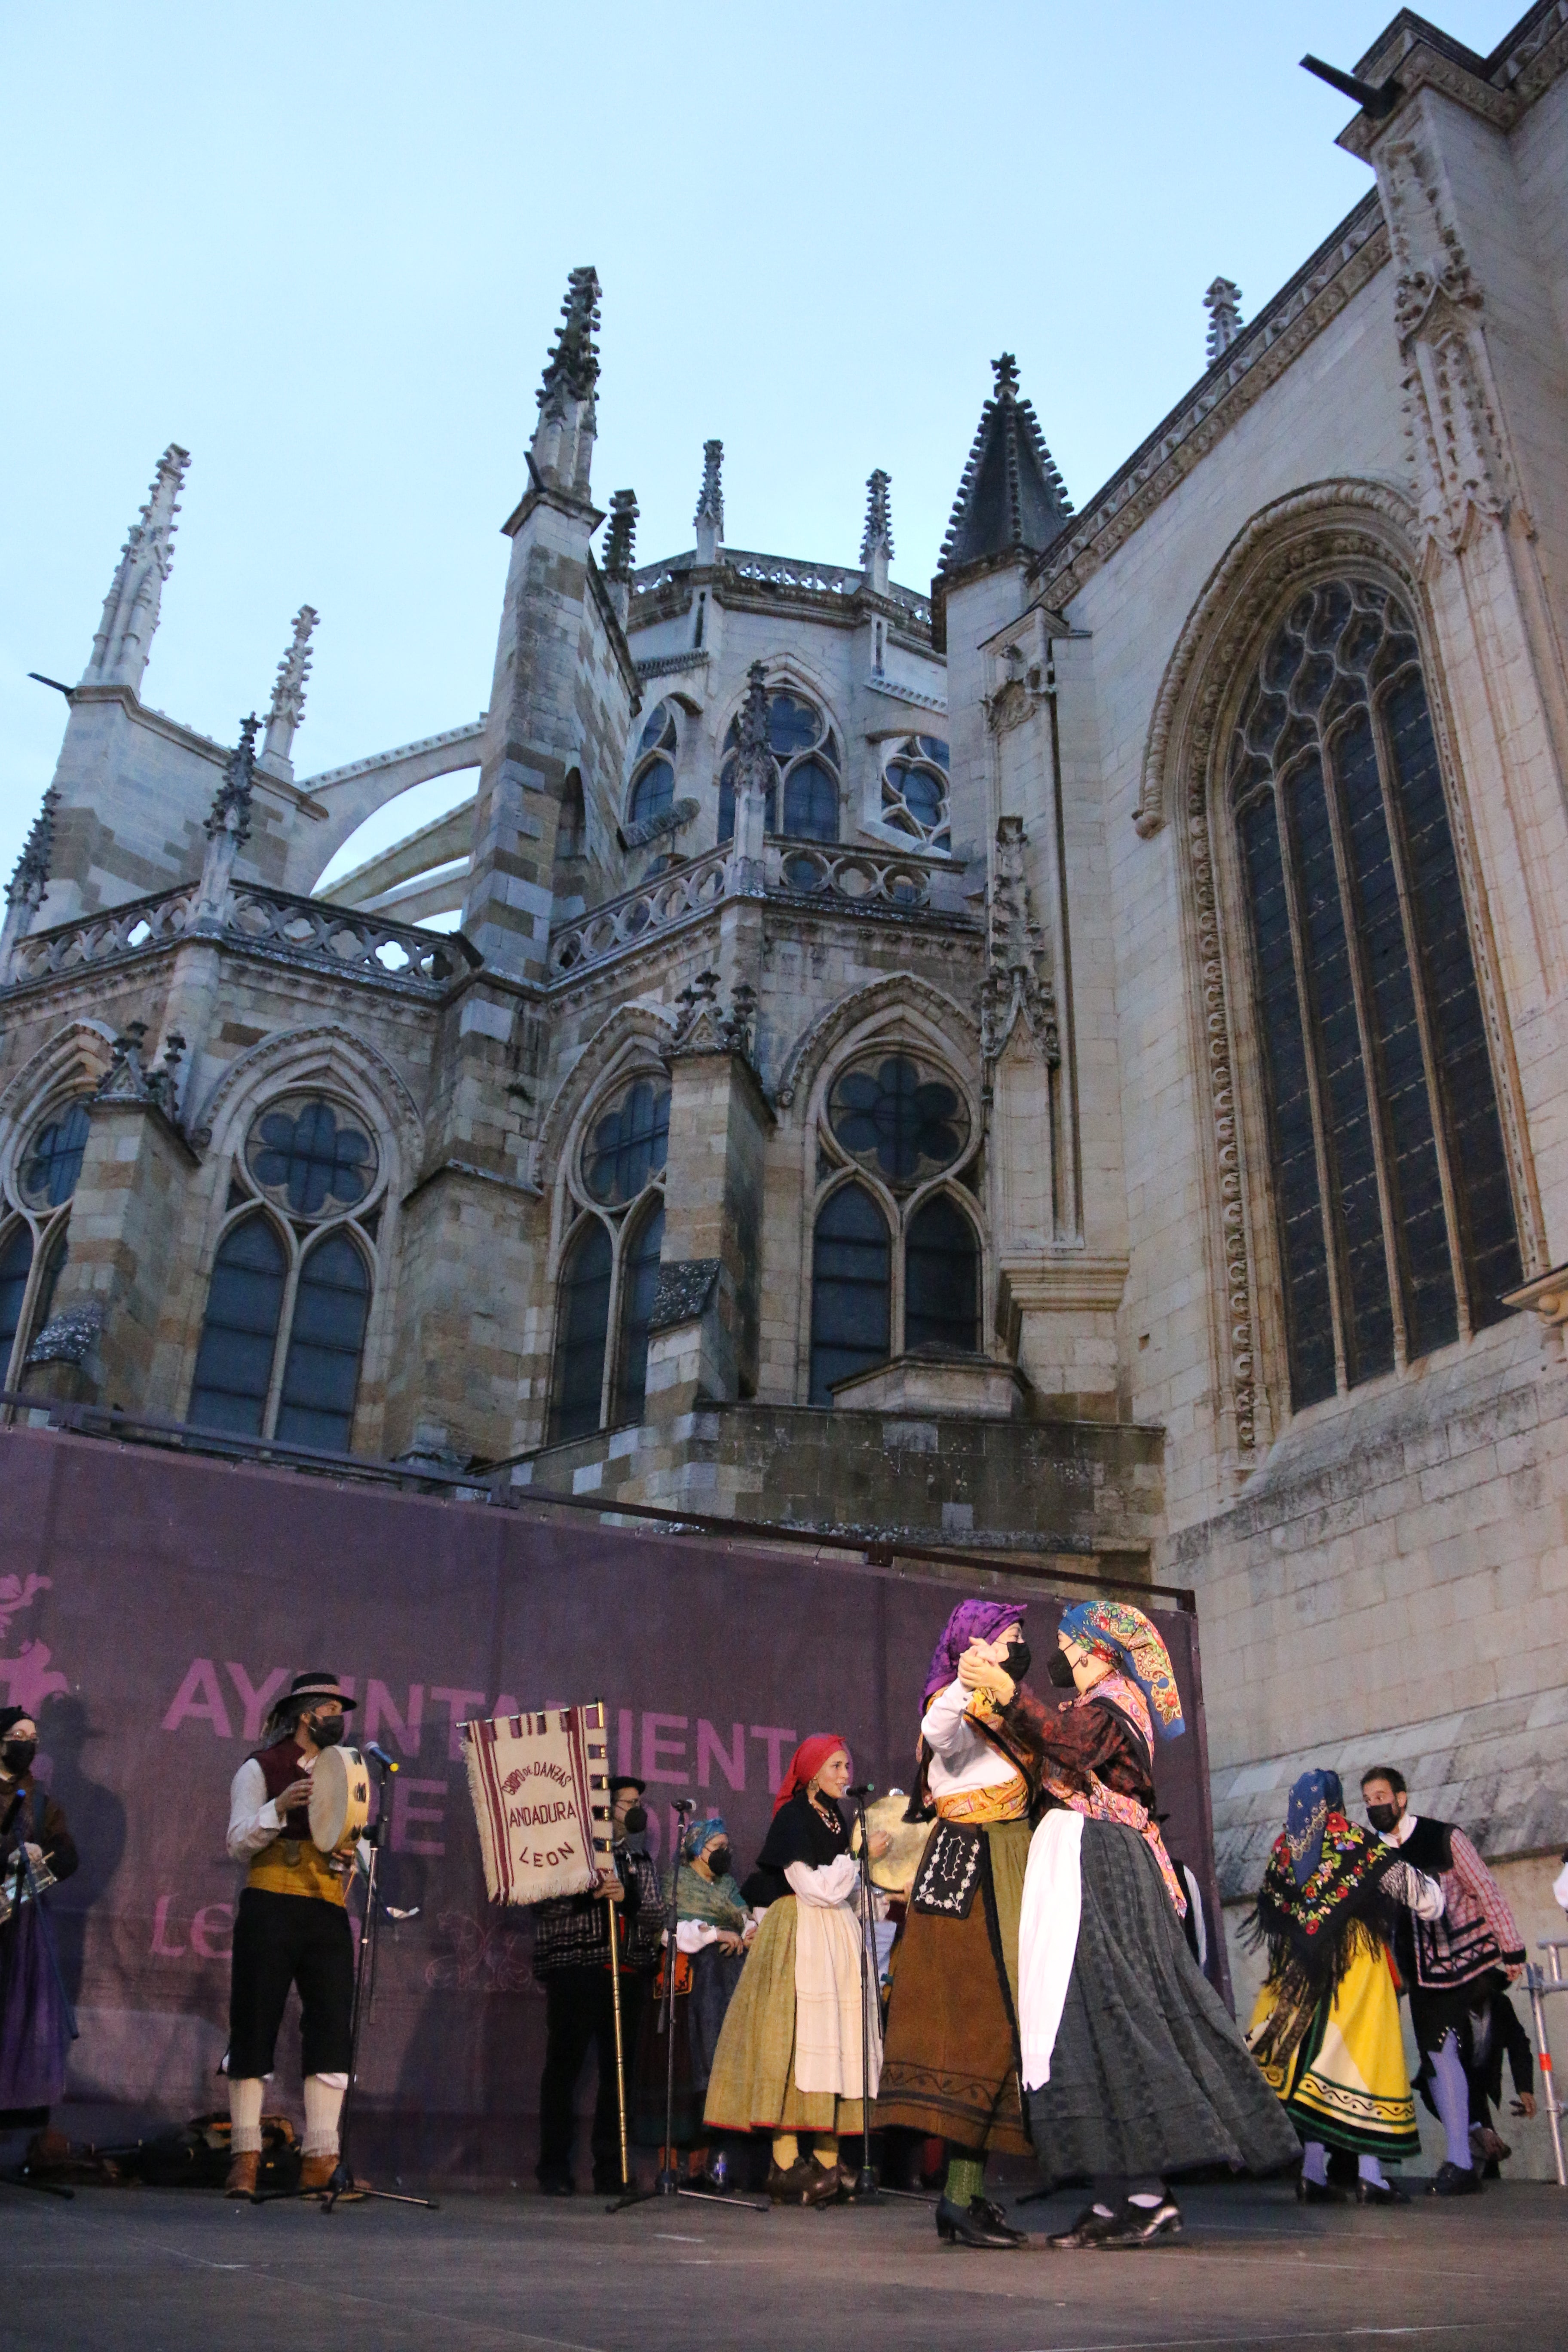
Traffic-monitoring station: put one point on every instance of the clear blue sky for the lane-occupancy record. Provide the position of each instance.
(325, 246)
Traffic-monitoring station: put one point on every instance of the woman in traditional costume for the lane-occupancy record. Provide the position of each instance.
(35, 2024)
(1132, 2067)
(1325, 2030)
(789, 2056)
(714, 1932)
(951, 2066)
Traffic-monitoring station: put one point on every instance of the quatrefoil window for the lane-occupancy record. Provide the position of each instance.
(902, 1121)
(310, 1159)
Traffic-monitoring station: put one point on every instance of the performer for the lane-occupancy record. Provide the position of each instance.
(951, 2068)
(35, 2029)
(572, 1961)
(1495, 2030)
(1325, 2027)
(1131, 2065)
(1444, 1961)
(789, 2055)
(293, 1928)
(713, 1934)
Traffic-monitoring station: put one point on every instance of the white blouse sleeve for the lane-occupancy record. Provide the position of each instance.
(1418, 1893)
(693, 1935)
(826, 1885)
(253, 1820)
(946, 1726)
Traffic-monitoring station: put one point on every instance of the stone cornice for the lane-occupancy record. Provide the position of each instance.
(1499, 89)
(1340, 267)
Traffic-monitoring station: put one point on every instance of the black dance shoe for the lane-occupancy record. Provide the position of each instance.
(1380, 2192)
(1090, 2227)
(1317, 2193)
(788, 2185)
(978, 2224)
(1453, 2180)
(1144, 2225)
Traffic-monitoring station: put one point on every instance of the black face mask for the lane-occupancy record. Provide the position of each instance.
(328, 1732)
(718, 1859)
(17, 1754)
(1016, 1660)
(1383, 1818)
(634, 1823)
(1059, 1671)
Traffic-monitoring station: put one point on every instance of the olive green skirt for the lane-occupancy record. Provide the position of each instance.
(753, 2085)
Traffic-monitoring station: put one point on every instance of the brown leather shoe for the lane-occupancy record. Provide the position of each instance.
(822, 2183)
(316, 2174)
(243, 2167)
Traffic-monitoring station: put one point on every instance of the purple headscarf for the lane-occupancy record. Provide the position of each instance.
(972, 1621)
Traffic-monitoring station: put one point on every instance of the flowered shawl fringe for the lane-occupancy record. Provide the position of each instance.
(1311, 1933)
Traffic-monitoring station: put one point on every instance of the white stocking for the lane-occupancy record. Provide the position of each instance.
(323, 2105)
(245, 2114)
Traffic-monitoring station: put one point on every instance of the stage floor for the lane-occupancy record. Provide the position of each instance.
(182, 2270)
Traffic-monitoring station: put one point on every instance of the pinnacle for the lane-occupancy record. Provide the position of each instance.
(1011, 495)
(572, 368)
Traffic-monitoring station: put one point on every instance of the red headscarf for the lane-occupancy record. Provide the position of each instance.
(808, 1760)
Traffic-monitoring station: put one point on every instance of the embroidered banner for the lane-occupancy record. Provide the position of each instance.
(540, 1789)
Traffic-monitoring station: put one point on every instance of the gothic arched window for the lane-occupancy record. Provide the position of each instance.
(326, 1334)
(582, 1326)
(16, 1265)
(941, 1278)
(652, 781)
(640, 1280)
(851, 1290)
(52, 1161)
(805, 761)
(914, 792)
(239, 1336)
(1393, 1212)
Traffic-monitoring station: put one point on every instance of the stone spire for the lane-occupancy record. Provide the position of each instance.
(288, 706)
(25, 891)
(1011, 496)
(620, 547)
(1223, 303)
(876, 544)
(562, 452)
(754, 774)
(124, 638)
(709, 516)
(227, 825)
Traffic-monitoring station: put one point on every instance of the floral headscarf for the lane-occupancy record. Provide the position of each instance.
(972, 1621)
(698, 1835)
(1314, 1797)
(1123, 1633)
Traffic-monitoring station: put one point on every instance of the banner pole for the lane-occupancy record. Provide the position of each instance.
(620, 2053)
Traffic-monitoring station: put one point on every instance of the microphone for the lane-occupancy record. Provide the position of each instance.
(683, 1804)
(387, 1763)
(864, 1788)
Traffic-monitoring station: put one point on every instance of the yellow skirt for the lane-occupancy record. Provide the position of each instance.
(753, 2085)
(1346, 2082)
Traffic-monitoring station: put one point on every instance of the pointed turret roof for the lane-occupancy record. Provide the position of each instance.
(1011, 496)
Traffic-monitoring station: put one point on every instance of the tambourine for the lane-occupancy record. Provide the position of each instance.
(893, 1872)
(339, 1799)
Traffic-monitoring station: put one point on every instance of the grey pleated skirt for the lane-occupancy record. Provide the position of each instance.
(1150, 2074)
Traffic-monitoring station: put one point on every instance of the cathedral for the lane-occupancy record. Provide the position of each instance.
(1075, 1063)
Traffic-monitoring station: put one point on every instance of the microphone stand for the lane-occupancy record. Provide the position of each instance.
(868, 2189)
(666, 2181)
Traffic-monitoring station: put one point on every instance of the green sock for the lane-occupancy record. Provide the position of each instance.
(965, 2179)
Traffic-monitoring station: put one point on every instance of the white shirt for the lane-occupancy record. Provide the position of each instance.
(254, 1820)
(961, 1755)
(1424, 1896)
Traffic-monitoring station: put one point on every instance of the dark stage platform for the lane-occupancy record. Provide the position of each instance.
(181, 2271)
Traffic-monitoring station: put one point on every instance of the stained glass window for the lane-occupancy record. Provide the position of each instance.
(902, 1121)
(1390, 1179)
(653, 783)
(806, 764)
(914, 792)
(308, 1158)
(581, 1333)
(234, 1364)
(16, 1265)
(321, 1372)
(640, 1279)
(52, 1162)
(941, 1278)
(850, 1290)
(629, 1143)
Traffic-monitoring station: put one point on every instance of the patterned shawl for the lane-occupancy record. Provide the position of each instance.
(1123, 1634)
(1313, 1926)
(972, 1621)
(717, 1901)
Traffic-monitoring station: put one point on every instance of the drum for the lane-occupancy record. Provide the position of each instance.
(340, 1798)
(894, 1872)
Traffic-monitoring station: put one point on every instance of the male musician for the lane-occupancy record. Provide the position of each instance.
(572, 1961)
(292, 1929)
(35, 2024)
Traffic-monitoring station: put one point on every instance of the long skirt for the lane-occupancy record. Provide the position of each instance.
(950, 2067)
(699, 2020)
(753, 2085)
(34, 2034)
(1345, 2082)
(1148, 2073)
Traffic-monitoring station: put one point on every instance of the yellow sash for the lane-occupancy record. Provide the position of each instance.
(999, 1801)
(295, 1867)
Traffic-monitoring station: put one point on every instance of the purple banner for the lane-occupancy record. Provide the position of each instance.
(151, 1607)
